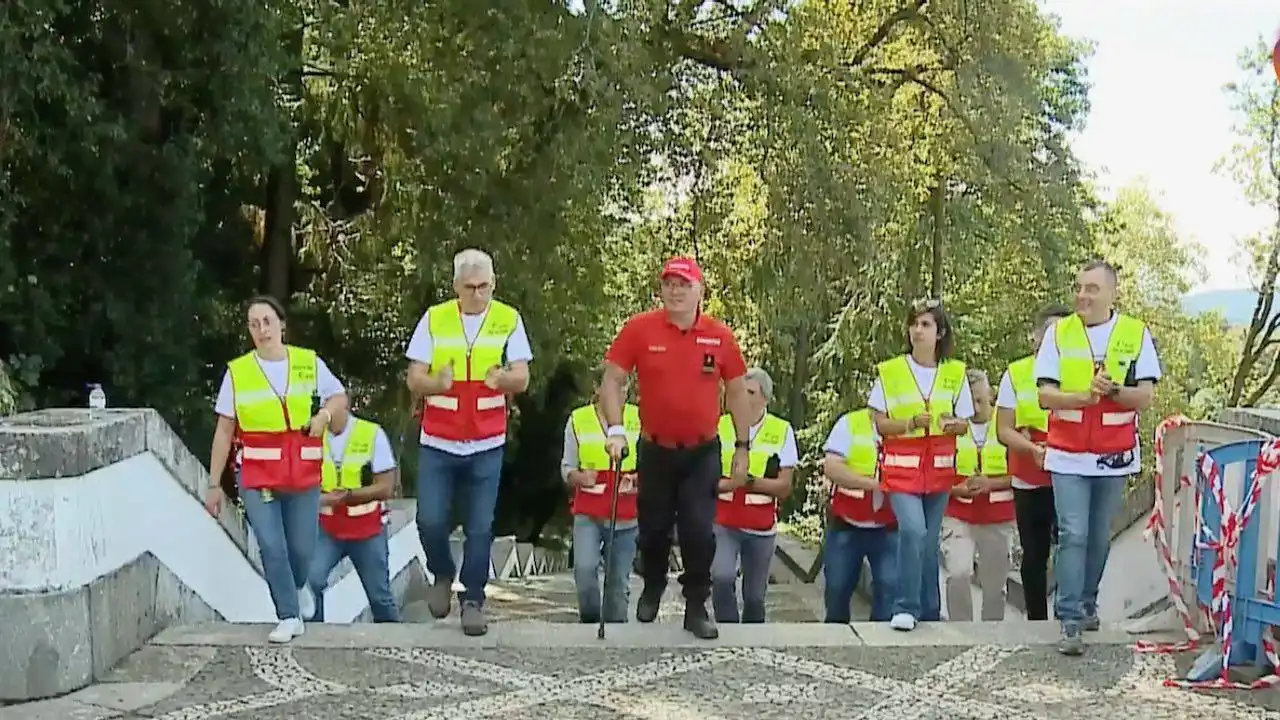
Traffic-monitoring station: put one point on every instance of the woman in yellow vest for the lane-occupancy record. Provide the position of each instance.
(266, 400)
(921, 402)
(979, 520)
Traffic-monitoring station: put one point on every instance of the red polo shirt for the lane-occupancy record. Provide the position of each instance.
(678, 373)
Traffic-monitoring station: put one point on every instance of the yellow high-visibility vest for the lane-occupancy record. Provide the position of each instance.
(258, 407)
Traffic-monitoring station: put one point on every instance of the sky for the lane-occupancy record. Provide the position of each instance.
(1158, 110)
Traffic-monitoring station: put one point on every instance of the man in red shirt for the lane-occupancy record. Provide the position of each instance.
(680, 358)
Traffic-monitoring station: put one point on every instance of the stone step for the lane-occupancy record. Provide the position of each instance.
(554, 599)
(664, 635)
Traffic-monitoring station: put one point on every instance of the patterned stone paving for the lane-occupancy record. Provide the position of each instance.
(553, 598)
(849, 682)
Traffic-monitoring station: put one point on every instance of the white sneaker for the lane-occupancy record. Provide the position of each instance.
(903, 621)
(288, 629)
(306, 602)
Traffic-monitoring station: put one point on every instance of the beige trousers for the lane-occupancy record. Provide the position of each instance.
(993, 546)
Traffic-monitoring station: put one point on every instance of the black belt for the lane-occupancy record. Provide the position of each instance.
(657, 440)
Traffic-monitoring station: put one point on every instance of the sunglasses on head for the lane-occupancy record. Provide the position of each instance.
(926, 305)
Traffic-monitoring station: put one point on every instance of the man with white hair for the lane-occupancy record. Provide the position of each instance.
(466, 355)
(747, 510)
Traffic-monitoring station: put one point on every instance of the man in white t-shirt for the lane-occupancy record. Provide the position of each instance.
(359, 476)
(746, 528)
(466, 357)
(1096, 369)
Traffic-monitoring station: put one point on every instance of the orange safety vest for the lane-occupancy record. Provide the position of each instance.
(276, 452)
(919, 462)
(1107, 427)
(596, 501)
(351, 522)
(741, 508)
(468, 410)
(989, 508)
(859, 506)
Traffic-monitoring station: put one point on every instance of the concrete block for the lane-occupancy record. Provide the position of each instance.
(504, 557)
(47, 642)
(129, 606)
(66, 442)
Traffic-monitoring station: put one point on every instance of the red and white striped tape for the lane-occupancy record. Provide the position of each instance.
(1225, 544)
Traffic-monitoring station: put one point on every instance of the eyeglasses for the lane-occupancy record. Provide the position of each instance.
(925, 305)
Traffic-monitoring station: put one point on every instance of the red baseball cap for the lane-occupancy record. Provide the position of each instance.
(685, 268)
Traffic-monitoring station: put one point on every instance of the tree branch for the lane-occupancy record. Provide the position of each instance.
(903, 14)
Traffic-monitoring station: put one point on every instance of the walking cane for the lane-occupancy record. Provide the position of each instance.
(609, 538)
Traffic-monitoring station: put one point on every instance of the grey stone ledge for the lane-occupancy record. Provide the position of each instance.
(66, 442)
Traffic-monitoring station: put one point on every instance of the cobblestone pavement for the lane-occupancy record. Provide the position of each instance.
(848, 682)
(553, 598)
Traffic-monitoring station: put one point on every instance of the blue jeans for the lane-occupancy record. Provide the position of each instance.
(369, 557)
(754, 553)
(1085, 506)
(590, 537)
(843, 552)
(286, 525)
(472, 481)
(919, 533)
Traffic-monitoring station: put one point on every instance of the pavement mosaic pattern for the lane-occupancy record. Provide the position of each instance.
(553, 598)
(984, 682)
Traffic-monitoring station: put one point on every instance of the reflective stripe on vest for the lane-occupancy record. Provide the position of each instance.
(595, 501)
(350, 522)
(469, 410)
(1107, 427)
(917, 462)
(990, 461)
(259, 409)
(859, 506)
(1028, 417)
(742, 508)
(274, 452)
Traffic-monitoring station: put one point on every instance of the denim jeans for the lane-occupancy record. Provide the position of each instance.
(843, 551)
(471, 481)
(754, 552)
(590, 537)
(919, 534)
(369, 557)
(285, 525)
(1085, 506)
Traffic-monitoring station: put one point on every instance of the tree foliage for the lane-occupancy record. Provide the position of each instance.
(827, 163)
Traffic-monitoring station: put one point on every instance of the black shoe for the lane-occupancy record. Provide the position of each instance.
(647, 605)
(697, 622)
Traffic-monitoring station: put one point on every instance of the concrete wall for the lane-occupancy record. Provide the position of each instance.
(104, 541)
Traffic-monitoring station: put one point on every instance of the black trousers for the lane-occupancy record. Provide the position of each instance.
(678, 489)
(1038, 531)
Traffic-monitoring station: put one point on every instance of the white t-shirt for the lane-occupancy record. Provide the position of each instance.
(840, 442)
(924, 380)
(979, 432)
(420, 348)
(1008, 399)
(384, 459)
(277, 372)
(1145, 367)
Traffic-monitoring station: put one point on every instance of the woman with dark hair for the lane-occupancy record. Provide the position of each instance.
(921, 401)
(276, 402)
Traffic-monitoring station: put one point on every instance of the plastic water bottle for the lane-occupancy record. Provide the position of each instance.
(97, 398)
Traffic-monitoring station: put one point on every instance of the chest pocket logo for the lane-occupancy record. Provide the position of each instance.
(708, 363)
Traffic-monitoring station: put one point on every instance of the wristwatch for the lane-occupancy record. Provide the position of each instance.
(742, 444)
(615, 431)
